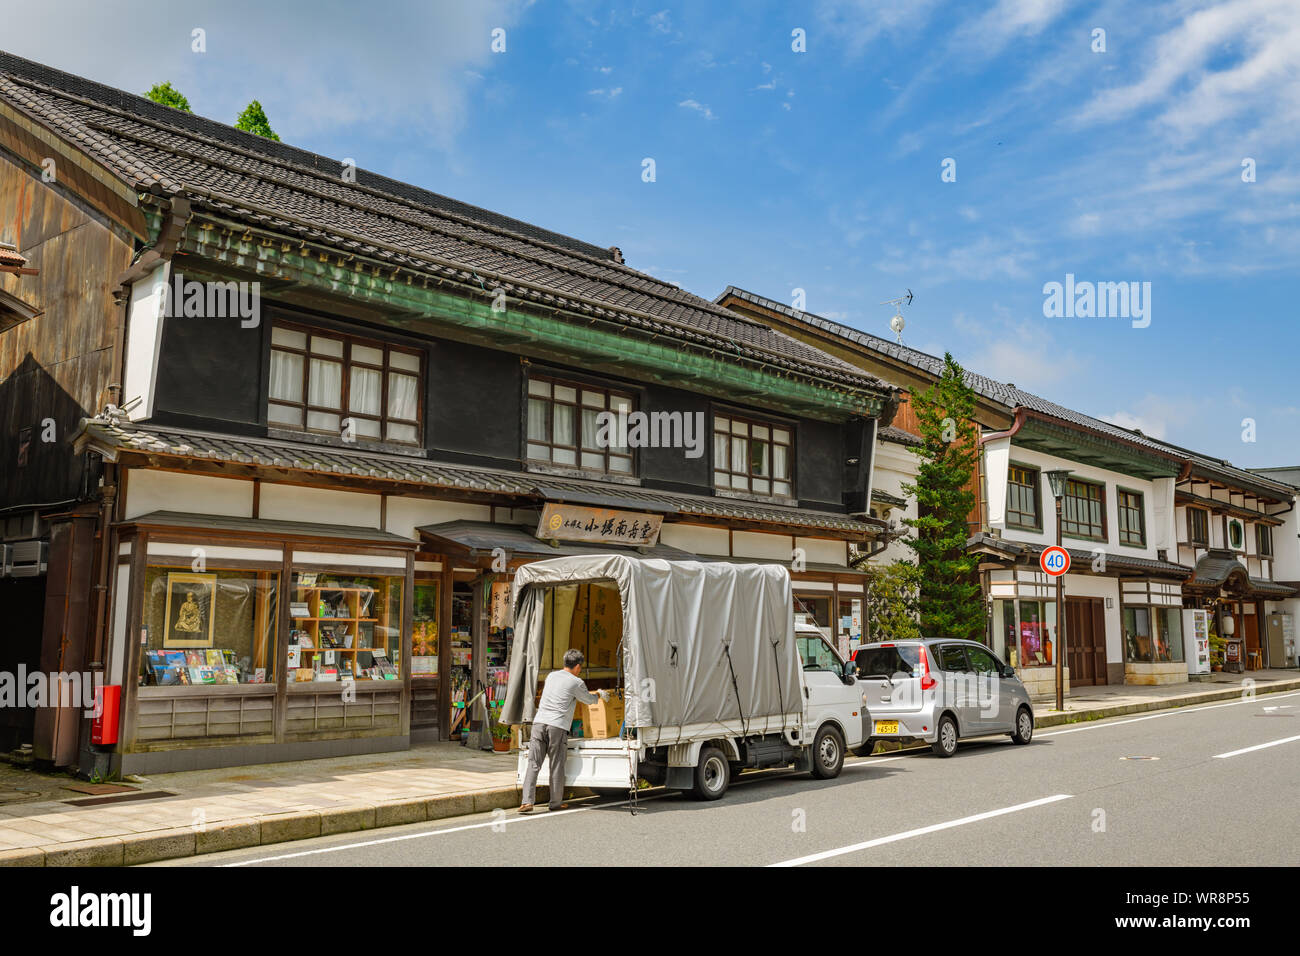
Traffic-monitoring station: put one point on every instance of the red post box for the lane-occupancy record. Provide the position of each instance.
(104, 728)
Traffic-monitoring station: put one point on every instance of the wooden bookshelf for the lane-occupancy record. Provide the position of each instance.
(353, 609)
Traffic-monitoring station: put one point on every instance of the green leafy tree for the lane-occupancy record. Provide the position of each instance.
(891, 601)
(950, 602)
(168, 95)
(253, 120)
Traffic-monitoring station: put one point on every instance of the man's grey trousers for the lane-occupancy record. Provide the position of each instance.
(547, 743)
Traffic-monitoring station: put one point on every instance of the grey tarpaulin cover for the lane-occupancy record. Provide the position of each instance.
(680, 618)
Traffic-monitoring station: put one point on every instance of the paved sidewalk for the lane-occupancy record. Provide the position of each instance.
(213, 810)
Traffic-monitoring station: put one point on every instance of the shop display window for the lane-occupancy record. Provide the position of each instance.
(210, 627)
(424, 631)
(1025, 632)
(344, 627)
(1153, 635)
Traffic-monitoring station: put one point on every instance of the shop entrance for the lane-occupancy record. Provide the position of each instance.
(1085, 641)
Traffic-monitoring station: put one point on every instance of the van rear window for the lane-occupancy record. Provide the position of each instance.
(888, 661)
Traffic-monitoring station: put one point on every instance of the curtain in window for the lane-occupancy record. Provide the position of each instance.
(402, 396)
(364, 390)
(286, 376)
(325, 384)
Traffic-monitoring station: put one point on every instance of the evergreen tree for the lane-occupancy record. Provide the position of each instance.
(253, 120)
(891, 599)
(950, 601)
(168, 95)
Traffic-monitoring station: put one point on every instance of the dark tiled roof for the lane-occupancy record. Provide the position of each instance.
(126, 437)
(1005, 394)
(1080, 560)
(1217, 565)
(898, 436)
(10, 257)
(287, 529)
(274, 186)
(884, 497)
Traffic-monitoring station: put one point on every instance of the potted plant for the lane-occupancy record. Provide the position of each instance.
(501, 738)
(1217, 647)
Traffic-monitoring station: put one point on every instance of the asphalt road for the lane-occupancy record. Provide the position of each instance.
(1220, 791)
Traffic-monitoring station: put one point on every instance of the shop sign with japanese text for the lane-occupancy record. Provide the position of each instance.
(603, 525)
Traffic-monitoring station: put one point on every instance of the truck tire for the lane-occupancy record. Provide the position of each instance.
(828, 753)
(945, 742)
(712, 774)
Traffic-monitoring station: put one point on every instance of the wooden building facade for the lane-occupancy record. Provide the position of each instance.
(349, 409)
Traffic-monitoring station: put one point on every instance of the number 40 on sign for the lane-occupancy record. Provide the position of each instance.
(1054, 561)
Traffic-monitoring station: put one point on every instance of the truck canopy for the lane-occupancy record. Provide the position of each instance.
(701, 642)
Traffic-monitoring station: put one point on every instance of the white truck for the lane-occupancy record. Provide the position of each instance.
(714, 672)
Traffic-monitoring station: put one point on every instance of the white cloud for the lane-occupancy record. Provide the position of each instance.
(313, 74)
(698, 107)
(660, 22)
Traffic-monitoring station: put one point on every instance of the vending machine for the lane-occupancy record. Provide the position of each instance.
(1196, 640)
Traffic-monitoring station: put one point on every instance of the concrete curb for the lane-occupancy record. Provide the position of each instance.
(158, 845)
(155, 846)
(1056, 719)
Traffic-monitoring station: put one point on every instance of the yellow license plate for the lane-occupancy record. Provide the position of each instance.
(886, 726)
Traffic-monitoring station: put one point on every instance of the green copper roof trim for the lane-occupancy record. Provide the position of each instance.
(581, 338)
(1067, 443)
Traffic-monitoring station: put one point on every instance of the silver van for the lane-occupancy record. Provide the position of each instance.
(940, 691)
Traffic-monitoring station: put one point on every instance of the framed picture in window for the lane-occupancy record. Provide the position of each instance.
(191, 606)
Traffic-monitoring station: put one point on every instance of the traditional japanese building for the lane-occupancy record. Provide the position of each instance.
(310, 418)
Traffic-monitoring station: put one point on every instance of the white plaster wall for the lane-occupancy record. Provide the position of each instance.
(824, 551)
(1286, 547)
(1111, 479)
(752, 544)
(143, 340)
(407, 514)
(319, 505)
(148, 491)
(695, 538)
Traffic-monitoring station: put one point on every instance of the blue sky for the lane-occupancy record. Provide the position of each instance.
(779, 170)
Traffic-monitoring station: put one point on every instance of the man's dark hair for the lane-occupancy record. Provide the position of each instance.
(572, 658)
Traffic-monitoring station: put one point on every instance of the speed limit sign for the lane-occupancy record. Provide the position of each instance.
(1054, 561)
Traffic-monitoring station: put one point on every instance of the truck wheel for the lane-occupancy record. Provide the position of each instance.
(1024, 726)
(712, 774)
(945, 745)
(828, 753)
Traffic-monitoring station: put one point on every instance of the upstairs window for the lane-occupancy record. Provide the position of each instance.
(1022, 497)
(752, 457)
(1083, 510)
(564, 426)
(321, 380)
(1132, 519)
(1263, 541)
(1198, 527)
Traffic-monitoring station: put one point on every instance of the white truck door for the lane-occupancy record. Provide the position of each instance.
(826, 695)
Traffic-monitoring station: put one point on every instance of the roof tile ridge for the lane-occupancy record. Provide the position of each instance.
(67, 127)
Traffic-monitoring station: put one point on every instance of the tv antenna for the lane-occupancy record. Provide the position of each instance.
(897, 323)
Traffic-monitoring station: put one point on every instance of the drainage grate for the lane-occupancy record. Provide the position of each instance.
(99, 789)
(119, 798)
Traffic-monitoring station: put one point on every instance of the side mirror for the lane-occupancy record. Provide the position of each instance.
(1008, 670)
(848, 677)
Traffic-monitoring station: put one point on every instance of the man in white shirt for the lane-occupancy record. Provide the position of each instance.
(551, 725)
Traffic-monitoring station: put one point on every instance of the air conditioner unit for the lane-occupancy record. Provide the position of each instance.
(28, 559)
(1236, 534)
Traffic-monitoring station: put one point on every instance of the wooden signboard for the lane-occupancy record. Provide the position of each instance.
(598, 526)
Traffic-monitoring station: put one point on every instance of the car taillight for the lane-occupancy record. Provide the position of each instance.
(927, 682)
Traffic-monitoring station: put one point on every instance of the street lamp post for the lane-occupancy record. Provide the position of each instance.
(1056, 480)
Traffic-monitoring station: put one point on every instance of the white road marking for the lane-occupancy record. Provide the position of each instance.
(921, 831)
(514, 818)
(1191, 709)
(1246, 750)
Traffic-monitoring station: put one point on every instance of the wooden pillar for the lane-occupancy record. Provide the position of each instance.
(444, 648)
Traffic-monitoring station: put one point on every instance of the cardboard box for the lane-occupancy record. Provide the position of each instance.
(602, 719)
